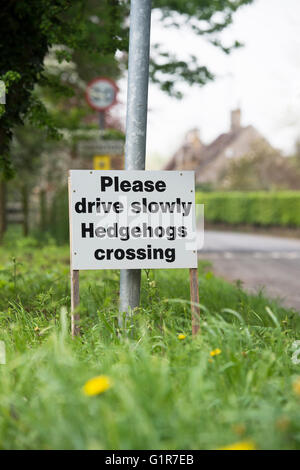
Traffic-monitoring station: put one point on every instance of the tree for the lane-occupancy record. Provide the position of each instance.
(27, 150)
(89, 32)
(263, 168)
(296, 155)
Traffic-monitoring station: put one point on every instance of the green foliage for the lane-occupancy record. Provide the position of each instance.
(113, 134)
(88, 34)
(204, 18)
(190, 72)
(280, 208)
(28, 31)
(58, 220)
(262, 168)
(166, 393)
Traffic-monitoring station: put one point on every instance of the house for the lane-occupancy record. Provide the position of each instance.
(210, 162)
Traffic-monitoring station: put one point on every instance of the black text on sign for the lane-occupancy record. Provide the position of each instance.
(132, 219)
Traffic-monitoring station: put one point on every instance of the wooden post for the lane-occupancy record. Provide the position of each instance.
(194, 290)
(75, 317)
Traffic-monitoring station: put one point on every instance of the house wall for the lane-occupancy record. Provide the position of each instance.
(213, 171)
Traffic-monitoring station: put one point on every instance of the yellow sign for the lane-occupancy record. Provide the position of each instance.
(101, 162)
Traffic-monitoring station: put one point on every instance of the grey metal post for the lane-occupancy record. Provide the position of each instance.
(101, 120)
(136, 123)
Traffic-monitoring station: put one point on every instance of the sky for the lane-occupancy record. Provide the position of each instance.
(262, 78)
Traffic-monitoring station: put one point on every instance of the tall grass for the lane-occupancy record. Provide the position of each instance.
(166, 393)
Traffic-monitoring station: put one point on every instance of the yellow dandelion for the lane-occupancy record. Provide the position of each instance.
(241, 445)
(181, 336)
(97, 385)
(296, 386)
(215, 352)
(36, 328)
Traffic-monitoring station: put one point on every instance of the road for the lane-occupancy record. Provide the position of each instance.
(258, 261)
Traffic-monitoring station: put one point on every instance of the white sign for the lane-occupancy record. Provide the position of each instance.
(2, 93)
(2, 353)
(132, 219)
(110, 147)
(101, 93)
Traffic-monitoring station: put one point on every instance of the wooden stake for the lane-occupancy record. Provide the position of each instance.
(75, 317)
(194, 290)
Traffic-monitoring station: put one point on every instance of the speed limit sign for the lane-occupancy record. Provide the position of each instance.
(101, 93)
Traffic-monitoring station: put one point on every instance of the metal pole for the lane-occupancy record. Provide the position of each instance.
(136, 123)
(101, 120)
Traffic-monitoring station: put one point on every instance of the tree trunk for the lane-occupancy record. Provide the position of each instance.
(25, 207)
(43, 211)
(2, 209)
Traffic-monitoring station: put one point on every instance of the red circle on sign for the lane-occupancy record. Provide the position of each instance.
(89, 87)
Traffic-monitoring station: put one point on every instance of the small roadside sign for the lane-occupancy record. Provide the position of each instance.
(101, 147)
(101, 93)
(101, 162)
(132, 219)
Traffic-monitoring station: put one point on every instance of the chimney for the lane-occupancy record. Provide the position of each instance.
(192, 139)
(235, 120)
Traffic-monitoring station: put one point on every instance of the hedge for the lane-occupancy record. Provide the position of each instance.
(58, 217)
(281, 209)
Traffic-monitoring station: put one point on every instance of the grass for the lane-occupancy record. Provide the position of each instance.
(166, 393)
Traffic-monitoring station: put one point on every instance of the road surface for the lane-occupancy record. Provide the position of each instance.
(258, 261)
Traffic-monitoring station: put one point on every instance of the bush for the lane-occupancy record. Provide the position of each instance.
(255, 208)
(58, 226)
